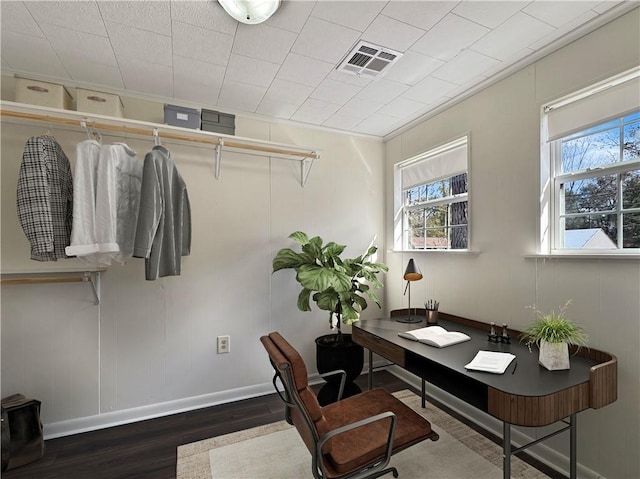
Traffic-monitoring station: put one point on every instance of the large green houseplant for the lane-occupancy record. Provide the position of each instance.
(337, 285)
(553, 333)
(341, 287)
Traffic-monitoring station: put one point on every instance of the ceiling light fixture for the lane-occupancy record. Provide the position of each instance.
(250, 11)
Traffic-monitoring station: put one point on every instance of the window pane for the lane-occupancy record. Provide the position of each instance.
(459, 184)
(459, 237)
(439, 189)
(416, 219)
(436, 216)
(593, 194)
(591, 232)
(631, 230)
(631, 190)
(459, 212)
(591, 151)
(631, 150)
(436, 238)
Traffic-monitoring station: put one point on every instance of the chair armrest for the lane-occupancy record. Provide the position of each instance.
(343, 379)
(355, 425)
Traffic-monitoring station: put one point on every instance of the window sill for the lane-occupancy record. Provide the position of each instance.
(583, 256)
(462, 252)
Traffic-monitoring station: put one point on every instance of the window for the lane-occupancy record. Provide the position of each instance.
(432, 199)
(594, 170)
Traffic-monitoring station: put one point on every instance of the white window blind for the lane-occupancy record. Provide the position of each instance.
(593, 106)
(448, 160)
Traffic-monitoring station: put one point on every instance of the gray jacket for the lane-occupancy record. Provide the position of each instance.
(163, 233)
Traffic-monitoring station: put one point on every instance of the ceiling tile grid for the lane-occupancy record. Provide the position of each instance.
(193, 53)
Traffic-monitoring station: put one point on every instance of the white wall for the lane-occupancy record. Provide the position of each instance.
(497, 284)
(150, 346)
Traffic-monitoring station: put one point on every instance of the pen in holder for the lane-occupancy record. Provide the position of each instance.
(431, 307)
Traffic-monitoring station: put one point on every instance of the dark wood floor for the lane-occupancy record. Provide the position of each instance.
(147, 449)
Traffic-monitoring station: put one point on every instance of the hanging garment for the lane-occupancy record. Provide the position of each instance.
(84, 244)
(163, 233)
(117, 202)
(45, 198)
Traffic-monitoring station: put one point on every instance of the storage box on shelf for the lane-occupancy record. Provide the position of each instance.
(182, 116)
(218, 122)
(90, 101)
(42, 93)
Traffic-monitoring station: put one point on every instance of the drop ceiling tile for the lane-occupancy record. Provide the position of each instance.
(605, 5)
(429, 90)
(209, 15)
(93, 48)
(467, 65)
(201, 44)
(147, 78)
(402, 108)
(263, 42)
(516, 33)
(197, 81)
(288, 92)
(360, 108)
(489, 13)
(305, 70)
(412, 67)
(452, 35)
(357, 15)
(558, 13)
(349, 78)
(16, 18)
(382, 91)
(423, 15)
(143, 44)
(31, 54)
(563, 30)
(276, 108)
(342, 122)
(377, 125)
(391, 33)
(315, 111)
(251, 71)
(81, 16)
(291, 16)
(240, 96)
(336, 92)
(85, 71)
(152, 16)
(325, 40)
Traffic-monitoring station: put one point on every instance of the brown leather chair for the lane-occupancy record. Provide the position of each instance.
(353, 437)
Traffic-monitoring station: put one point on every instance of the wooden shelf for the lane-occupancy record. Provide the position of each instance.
(91, 277)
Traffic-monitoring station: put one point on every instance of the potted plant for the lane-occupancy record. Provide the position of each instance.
(337, 285)
(554, 333)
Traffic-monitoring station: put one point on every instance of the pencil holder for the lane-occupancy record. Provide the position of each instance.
(432, 317)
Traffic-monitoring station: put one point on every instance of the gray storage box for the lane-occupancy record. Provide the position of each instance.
(218, 122)
(182, 116)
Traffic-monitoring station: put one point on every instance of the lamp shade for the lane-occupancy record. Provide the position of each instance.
(250, 11)
(412, 273)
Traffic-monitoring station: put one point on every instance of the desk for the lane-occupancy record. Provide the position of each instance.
(532, 396)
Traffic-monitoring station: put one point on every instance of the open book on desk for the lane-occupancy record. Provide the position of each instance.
(435, 336)
(491, 362)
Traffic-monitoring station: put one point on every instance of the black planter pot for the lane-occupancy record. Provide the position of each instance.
(332, 355)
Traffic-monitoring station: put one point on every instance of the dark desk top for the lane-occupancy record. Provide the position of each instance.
(529, 379)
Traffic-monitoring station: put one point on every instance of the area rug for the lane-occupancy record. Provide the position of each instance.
(276, 451)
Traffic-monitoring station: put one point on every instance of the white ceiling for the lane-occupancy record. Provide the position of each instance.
(192, 53)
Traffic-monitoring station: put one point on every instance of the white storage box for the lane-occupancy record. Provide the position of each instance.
(89, 101)
(42, 93)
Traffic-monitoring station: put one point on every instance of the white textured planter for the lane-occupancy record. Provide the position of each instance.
(554, 356)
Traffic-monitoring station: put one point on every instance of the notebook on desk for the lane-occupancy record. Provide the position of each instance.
(435, 336)
(490, 362)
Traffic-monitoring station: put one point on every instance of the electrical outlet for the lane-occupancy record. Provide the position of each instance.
(224, 345)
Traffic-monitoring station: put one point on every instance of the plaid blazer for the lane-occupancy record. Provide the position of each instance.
(45, 198)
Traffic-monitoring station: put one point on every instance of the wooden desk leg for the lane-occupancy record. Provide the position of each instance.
(370, 378)
(506, 450)
(573, 447)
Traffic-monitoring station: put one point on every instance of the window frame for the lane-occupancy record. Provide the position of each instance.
(401, 240)
(551, 233)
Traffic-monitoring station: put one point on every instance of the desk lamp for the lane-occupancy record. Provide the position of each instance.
(412, 273)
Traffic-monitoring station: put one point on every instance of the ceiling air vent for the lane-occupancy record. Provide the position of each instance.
(368, 59)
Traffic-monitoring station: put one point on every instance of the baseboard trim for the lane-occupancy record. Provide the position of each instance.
(542, 453)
